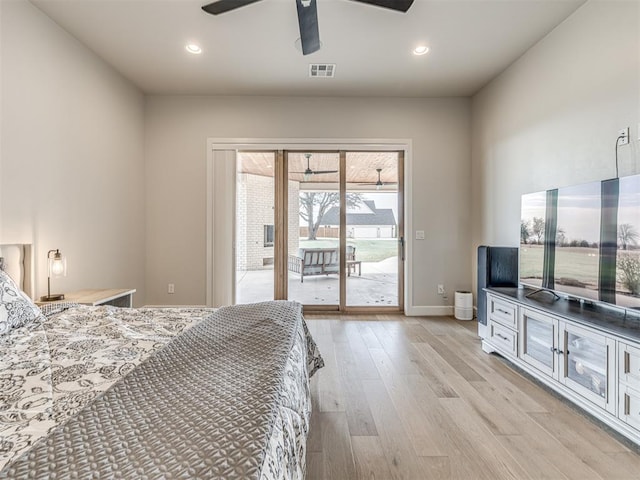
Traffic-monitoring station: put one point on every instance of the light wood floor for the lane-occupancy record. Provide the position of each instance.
(407, 397)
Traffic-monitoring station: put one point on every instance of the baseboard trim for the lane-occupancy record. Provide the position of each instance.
(430, 311)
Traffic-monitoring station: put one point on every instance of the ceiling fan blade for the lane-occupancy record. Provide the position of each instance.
(308, 23)
(398, 5)
(320, 172)
(375, 183)
(222, 6)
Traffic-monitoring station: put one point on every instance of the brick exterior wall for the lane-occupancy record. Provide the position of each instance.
(294, 217)
(254, 209)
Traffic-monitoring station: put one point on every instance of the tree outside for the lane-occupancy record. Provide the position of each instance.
(313, 206)
(538, 229)
(525, 232)
(627, 235)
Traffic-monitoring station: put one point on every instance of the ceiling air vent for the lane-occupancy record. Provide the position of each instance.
(326, 70)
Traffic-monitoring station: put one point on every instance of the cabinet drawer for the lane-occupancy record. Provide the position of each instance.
(629, 366)
(503, 312)
(629, 406)
(503, 338)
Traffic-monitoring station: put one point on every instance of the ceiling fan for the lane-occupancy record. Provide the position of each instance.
(307, 16)
(308, 172)
(379, 183)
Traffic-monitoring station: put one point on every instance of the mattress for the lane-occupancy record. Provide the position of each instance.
(102, 392)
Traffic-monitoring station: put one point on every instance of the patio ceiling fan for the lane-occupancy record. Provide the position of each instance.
(307, 16)
(308, 172)
(379, 183)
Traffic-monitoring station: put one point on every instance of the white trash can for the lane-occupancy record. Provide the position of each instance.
(463, 305)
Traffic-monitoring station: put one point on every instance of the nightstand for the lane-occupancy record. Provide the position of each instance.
(115, 297)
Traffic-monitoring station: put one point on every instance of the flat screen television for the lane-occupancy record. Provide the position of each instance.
(583, 241)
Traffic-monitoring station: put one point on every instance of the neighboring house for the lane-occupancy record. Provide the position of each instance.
(367, 222)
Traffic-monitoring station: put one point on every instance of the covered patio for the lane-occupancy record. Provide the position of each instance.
(376, 287)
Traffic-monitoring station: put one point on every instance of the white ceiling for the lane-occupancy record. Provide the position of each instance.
(250, 51)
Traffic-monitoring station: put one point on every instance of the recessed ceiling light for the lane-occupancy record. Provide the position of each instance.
(420, 50)
(193, 48)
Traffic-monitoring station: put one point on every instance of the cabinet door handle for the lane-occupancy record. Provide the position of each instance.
(553, 349)
(501, 336)
(626, 362)
(502, 311)
(626, 404)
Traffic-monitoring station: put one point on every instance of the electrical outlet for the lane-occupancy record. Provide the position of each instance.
(623, 136)
(171, 288)
(440, 289)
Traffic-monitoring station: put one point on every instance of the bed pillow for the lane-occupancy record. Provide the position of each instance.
(16, 308)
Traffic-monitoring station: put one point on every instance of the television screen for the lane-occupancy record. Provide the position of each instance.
(578, 240)
(628, 251)
(532, 226)
(584, 241)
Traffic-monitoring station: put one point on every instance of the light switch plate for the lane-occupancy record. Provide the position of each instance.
(419, 234)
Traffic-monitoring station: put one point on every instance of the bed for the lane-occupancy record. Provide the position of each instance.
(106, 392)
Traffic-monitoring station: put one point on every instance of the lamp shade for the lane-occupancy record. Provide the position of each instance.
(57, 264)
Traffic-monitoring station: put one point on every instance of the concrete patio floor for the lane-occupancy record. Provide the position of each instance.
(377, 286)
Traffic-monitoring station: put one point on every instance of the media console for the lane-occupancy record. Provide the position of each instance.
(589, 353)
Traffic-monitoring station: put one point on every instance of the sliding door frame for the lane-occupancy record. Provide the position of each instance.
(213, 288)
(281, 215)
(402, 236)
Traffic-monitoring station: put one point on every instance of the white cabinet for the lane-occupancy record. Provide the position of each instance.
(629, 407)
(629, 384)
(580, 358)
(504, 339)
(502, 323)
(629, 364)
(587, 364)
(503, 312)
(539, 341)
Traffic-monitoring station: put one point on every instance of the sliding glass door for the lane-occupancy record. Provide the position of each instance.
(320, 227)
(255, 226)
(373, 229)
(313, 268)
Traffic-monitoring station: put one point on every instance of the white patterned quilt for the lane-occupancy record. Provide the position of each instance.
(54, 374)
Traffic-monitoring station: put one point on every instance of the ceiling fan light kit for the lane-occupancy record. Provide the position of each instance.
(307, 16)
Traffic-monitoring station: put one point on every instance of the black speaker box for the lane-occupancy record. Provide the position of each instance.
(497, 267)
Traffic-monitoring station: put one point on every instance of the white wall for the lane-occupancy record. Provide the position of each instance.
(551, 119)
(72, 155)
(177, 129)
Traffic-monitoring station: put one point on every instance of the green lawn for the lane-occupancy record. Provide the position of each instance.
(575, 263)
(373, 250)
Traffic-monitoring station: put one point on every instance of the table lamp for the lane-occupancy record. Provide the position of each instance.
(57, 267)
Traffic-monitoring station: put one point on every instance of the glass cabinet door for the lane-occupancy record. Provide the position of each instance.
(587, 356)
(539, 336)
